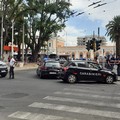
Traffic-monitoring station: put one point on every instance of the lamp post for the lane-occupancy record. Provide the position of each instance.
(12, 37)
(23, 39)
(2, 30)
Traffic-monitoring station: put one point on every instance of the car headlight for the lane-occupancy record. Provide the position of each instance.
(3, 65)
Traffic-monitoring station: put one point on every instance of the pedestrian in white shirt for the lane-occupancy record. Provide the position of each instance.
(12, 65)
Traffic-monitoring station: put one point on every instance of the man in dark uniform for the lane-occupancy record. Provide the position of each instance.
(118, 65)
(112, 62)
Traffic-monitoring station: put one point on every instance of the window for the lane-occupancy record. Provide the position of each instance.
(50, 45)
(81, 65)
(52, 64)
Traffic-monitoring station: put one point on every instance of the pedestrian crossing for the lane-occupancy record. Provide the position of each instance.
(74, 101)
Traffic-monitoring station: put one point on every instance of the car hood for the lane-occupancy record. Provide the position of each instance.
(106, 70)
(2, 63)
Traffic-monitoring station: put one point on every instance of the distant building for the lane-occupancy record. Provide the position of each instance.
(52, 45)
(56, 46)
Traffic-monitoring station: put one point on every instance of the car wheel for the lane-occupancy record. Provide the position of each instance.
(72, 78)
(109, 79)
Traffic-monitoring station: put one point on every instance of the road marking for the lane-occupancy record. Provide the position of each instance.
(96, 103)
(80, 110)
(90, 91)
(36, 116)
(87, 95)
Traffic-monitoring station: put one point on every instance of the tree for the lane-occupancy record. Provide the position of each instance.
(113, 30)
(10, 9)
(43, 16)
(49, 17)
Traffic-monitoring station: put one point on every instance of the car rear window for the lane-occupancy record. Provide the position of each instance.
(52, 64)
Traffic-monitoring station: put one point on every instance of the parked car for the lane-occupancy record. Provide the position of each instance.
(50, 68)
(3, 69)
(88, 71)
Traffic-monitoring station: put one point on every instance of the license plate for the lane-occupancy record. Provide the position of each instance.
(52, 72)
(3, 71)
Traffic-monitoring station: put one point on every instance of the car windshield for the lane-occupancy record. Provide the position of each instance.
(52, 64)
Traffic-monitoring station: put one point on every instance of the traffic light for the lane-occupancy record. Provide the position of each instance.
(98, 42)
(91, 44)
(88, 45)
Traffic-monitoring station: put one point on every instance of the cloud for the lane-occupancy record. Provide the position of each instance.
(104, 14)
(70, 34)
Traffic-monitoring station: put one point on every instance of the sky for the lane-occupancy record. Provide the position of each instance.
(92, 18)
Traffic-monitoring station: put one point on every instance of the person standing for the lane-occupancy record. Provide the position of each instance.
(108, 65)
(12, 65)
(118, 65)
(112, 61)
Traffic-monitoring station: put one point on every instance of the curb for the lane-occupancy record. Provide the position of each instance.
(27, 67)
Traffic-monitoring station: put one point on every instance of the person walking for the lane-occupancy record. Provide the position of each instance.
(12, 65)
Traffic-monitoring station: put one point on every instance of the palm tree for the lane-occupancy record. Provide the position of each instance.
(113, 30)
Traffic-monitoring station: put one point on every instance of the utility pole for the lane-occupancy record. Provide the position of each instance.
(12, 37)
(23, 43)
(2, 6)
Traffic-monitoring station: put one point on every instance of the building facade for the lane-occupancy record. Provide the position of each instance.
(56, 46)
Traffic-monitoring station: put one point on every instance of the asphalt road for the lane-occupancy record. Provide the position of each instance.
(27, 97)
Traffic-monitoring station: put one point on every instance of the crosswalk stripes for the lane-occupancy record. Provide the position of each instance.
(76, 110)
(86, 95)
(90, 91)
(96, 103)
(69, 93)
(36, 116)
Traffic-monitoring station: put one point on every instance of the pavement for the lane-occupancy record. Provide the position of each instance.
(26, 66)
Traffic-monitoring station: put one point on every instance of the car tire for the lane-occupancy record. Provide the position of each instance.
(109, 79)
(71, 79)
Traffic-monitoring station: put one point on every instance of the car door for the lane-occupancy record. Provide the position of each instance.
(95, 73)
(83, 71)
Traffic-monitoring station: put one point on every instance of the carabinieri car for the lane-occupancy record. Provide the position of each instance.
(87, 71)
(49, 68)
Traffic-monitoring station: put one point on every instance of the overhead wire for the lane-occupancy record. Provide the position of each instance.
(97, 5)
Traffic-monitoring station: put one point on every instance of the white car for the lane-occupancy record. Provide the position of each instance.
(3, 69)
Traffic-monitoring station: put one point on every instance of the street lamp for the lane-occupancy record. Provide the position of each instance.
(23, 43)
(2, 30)
(12, 37)
(23, 39)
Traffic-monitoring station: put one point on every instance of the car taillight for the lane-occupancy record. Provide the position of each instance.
(43, 68)
(65, 69)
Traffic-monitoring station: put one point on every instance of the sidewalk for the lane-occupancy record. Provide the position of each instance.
(27, 66)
